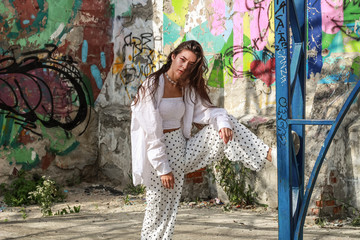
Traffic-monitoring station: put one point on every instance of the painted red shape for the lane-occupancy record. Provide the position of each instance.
(264, 72)
(46, 160)
(25, 9)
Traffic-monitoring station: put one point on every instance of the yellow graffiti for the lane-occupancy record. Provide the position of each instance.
(271, 33)
(117, 66)
(181, 8)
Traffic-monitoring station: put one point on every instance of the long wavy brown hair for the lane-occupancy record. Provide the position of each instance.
(195, 79)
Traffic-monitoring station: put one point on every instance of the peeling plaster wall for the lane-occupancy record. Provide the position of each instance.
(103, 50)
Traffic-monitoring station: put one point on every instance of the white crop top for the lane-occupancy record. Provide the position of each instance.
(172, 110)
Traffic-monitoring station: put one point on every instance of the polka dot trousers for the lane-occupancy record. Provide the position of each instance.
(188, 156)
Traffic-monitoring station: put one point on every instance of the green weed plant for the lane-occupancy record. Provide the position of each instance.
(232, 177)
(75, 209)
(16, 194)
(45, 194)
(24, 191)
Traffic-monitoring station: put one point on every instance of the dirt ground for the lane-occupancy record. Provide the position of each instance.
(105, 214)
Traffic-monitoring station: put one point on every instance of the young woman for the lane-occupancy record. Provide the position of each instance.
(166, 106)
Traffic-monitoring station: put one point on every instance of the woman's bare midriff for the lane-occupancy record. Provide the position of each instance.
(170, 130)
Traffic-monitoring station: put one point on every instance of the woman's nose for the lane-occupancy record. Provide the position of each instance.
(185, 65)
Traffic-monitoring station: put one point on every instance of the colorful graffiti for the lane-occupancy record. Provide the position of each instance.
(38, 87)
(245, 51)
(46, 93)
(246, 29)
(333, 28)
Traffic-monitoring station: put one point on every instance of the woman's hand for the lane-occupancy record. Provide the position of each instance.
(168, 180)
(226, 134)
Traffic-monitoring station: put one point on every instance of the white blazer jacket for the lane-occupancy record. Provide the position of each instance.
(147, 138)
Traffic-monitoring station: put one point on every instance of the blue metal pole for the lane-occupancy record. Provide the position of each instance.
(298, 102)
(282, 71)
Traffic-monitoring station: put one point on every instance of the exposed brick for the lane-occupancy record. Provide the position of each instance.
(197, 173)
(330, 203)
(194, 174)
(319, 203)
(198, 180)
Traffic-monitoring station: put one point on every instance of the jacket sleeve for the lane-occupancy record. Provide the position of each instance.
(218, 117)
(148, 117)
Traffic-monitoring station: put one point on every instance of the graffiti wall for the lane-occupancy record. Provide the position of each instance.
(238, 39)
(54, 58)
(64, 63)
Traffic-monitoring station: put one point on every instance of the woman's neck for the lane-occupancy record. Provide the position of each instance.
(170, 79)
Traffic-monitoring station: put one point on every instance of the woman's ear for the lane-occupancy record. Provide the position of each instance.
(173, 56)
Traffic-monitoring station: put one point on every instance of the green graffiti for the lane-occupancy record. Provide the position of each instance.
(216, 78)
(28, 158)
(61, 142)
(9, 131)
(12, 150)
(50, 24)
(356, 66)
(351, 11)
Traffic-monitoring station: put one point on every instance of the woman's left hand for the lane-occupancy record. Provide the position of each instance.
(226, 134)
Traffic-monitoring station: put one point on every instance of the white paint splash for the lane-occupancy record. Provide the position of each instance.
(58, 31)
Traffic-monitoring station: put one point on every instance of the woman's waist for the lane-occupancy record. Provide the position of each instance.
(170, 130)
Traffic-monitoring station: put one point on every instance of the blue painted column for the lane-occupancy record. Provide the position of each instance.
(315, 37)
(298, 14)
(282, 56)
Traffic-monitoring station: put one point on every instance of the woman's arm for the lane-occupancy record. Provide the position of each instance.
(148, 117)
(218, 117)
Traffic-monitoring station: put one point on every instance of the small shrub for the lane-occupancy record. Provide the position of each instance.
(232, 178)
(16, 193)
(37, 190)
(46, 194)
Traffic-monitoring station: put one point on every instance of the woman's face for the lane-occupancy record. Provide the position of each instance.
(182, 64)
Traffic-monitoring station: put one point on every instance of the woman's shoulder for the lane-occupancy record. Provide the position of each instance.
(151, 79)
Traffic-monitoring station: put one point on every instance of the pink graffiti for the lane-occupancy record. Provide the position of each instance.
(264, 72)
(332, 15)
(218, 18)
(259, 27)
(259, 22)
